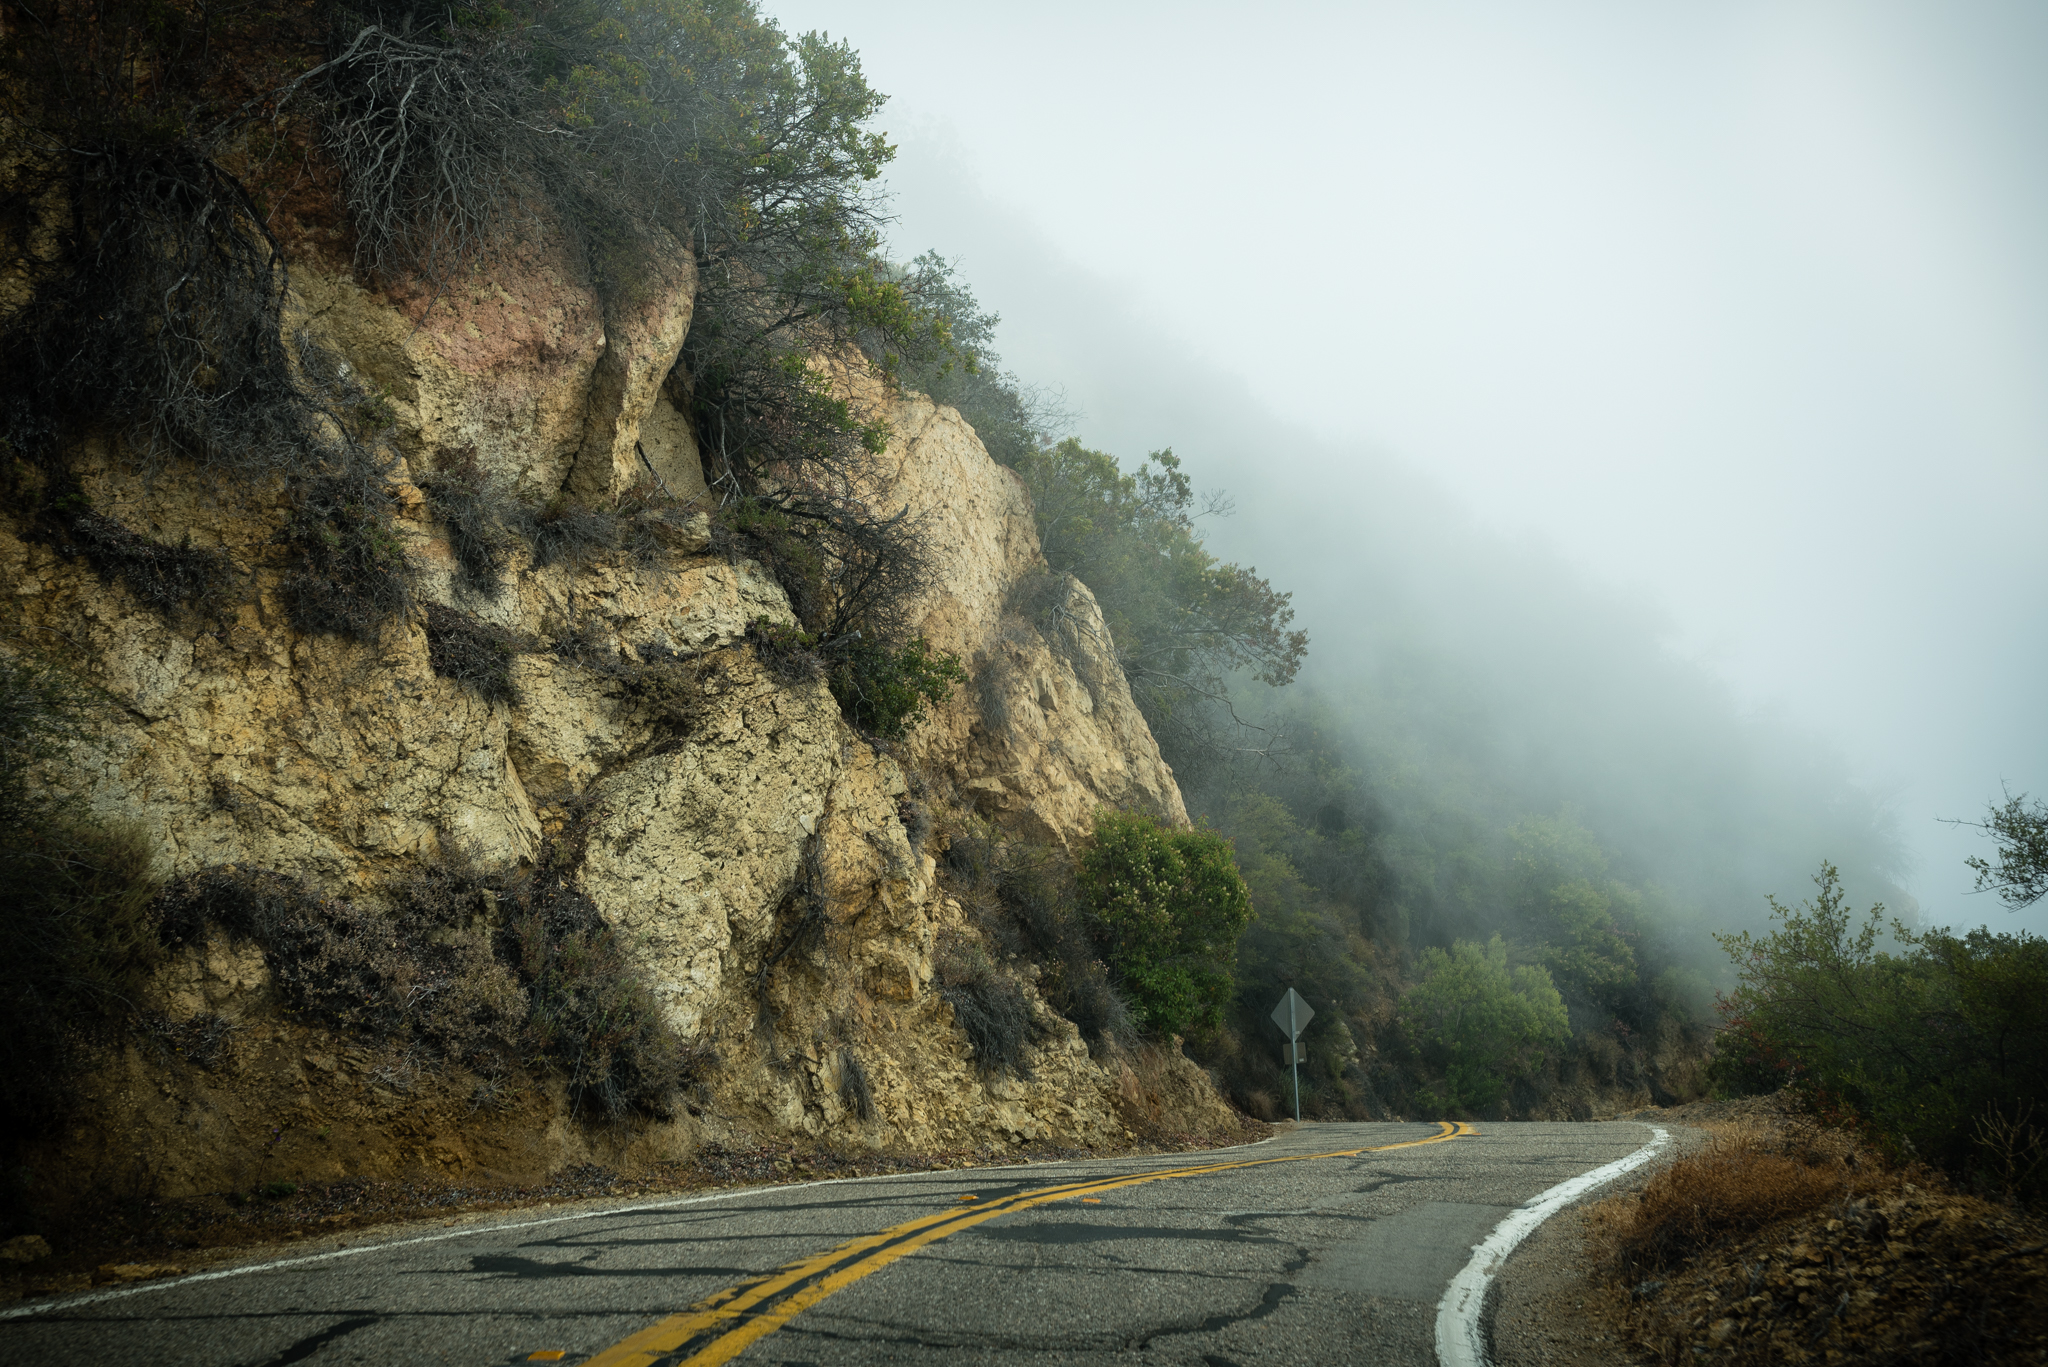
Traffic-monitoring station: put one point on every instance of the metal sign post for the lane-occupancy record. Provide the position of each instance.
(1293, 1015)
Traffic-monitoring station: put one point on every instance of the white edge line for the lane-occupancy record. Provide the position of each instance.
(355, 1250)
(1458, 1340)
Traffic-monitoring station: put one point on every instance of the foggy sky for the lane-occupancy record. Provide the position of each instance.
(1739, 312)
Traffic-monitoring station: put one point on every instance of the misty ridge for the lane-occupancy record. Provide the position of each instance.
(1523, 858)
(1489, 775)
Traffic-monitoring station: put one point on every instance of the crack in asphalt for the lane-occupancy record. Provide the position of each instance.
(1272, 1298)
(501, 1267)
(1075, 1232)
(1117, 1267)
(313, 1343)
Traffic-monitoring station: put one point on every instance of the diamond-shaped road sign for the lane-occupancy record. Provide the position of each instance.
(1293, 1014)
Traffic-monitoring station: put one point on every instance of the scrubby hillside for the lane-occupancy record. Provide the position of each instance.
(494, 659)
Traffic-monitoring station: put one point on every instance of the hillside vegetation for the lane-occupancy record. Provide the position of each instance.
(1472, 945)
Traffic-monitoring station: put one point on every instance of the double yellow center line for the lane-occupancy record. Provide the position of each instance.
(719, 1327)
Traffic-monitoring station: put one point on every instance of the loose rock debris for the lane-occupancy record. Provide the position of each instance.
(1885, 1267)
(1915, 1276)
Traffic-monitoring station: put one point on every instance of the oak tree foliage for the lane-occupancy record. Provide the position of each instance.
(1168, 907)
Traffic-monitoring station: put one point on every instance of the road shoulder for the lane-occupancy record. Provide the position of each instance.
(1548, 1308)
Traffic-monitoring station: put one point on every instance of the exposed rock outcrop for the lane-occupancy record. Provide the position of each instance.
(748, 845)
(1048, 733)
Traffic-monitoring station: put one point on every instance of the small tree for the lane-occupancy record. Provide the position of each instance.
(1183, 622)
(1168, 907)
(1483, 1024)
(2020, 875)
(1935, 1048)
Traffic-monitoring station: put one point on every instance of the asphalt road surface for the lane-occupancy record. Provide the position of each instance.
(1328, 1244)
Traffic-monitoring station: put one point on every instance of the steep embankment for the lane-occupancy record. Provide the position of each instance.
(600, 719)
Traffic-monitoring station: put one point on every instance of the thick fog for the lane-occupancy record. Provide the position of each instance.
(1522, 331)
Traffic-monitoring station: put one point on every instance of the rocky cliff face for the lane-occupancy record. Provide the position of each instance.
(711, 825)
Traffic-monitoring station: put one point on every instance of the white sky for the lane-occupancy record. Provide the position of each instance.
(1741, 307)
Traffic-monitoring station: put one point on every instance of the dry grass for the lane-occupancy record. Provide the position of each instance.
(1747, 1177)
(1784, 1242)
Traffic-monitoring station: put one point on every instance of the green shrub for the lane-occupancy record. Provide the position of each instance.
(1012, 420)
(2018, 872)
(1184, 623)
(156, 312)
(790, 653)
(1168, 908)
(1023, 900)
(1940, 1048)
(1478, 1024)
(883, 690)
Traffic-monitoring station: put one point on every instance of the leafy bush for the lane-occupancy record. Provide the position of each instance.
(1022, 899)
(1182, 620)
(1480, 1024)
(638, 127)
(1586, 921)
(1169, 907)
(1012, 420)
(883, 689)
(1937, 1048)
(790, 653)
(139, 135)
(2019, 871)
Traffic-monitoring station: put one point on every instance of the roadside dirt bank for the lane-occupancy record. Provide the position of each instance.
(1773, 1239)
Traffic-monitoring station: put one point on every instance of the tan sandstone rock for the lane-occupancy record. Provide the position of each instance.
(747, 844)
(1047, 734)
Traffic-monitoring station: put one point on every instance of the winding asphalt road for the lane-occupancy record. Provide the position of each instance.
(1328, 1244)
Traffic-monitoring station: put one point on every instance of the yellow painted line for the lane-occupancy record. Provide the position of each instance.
(746, 1314)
